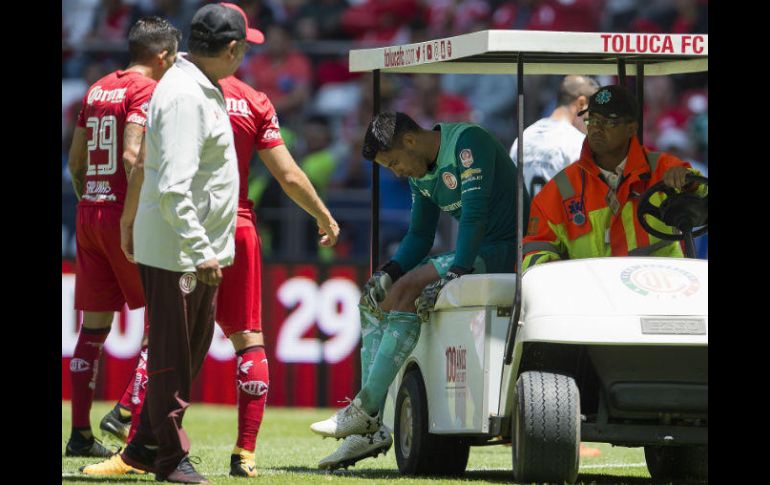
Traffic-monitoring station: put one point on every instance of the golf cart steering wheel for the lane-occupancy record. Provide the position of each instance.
(682, 210)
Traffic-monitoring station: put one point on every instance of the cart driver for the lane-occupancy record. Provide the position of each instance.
(589, 209)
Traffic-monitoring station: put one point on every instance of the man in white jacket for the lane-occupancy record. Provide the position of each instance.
(183, 232)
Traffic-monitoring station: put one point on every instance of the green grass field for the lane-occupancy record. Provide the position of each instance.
(287, 453)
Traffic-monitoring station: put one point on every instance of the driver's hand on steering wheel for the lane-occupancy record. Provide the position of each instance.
(675, 177)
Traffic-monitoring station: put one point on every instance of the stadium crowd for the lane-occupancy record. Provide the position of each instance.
(324, 109)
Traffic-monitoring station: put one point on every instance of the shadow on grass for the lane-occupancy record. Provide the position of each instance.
(105, 479)
(494, 476)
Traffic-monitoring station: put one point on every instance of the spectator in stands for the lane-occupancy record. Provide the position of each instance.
(381, 20)
(113, 19)
(282, 72)
(320, 20)
(178, 12)
(453, 17)
(661, 110)
(262, 13)
(427, 103)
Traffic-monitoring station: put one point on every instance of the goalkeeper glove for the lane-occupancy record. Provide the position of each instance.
(427, 299)
(376, 289)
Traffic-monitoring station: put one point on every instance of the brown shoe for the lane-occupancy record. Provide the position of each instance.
(183, 473)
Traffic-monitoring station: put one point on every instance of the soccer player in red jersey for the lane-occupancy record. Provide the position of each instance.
(104, 149)
(255, 126)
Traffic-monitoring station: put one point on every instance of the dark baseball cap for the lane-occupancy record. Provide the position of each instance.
(613, 102)
(223, 21)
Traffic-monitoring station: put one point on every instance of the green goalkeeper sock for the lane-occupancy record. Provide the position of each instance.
(372, 331)
(398, 341)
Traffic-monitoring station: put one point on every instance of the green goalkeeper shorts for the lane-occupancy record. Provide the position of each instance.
(492, 258)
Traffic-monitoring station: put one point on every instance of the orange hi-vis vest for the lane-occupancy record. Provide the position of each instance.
(571, 217)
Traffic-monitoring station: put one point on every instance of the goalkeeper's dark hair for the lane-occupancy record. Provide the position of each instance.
(150, 36)
(386, 131)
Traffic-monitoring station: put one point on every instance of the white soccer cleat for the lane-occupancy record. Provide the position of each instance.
(351, 419)
(356, 447)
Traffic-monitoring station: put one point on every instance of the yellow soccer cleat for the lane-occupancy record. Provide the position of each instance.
(242, 463)
(112, 466)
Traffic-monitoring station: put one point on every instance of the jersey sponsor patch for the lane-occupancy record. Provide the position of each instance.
(136, 118)
(271, 134)
(187, 283)
(452, 207)
(469, 173)
(449, 180)
(106, 95)
(466, 157)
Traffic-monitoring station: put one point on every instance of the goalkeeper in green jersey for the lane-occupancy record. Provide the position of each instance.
(457, 168)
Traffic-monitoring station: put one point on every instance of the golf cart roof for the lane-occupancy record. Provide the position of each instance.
(498, 51)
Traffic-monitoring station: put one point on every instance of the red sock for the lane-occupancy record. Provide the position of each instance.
(138, 390)
(126, 401)
(252, 380)
(83, 371)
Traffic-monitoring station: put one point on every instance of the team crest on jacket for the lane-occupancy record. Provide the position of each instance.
(575, 211)
(449, 180)
(466, 157)
(187, 283)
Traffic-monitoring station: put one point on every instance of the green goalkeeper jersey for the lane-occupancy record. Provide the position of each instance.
(474, 180)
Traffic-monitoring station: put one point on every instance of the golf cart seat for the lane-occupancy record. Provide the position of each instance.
(487, 290)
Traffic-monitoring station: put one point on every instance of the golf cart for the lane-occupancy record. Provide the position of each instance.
(607, 350)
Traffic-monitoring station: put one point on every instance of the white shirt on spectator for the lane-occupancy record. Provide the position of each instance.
(549, 146)
(189, 198)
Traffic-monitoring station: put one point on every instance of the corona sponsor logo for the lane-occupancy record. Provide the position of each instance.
(106, 96)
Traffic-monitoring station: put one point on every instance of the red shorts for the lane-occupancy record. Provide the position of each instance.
(239, 305)
(104, 279)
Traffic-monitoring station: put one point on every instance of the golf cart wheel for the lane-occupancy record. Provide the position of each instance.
(677, 462)
(545, 428)
(417, 451)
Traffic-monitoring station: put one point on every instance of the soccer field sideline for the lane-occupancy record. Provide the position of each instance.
(288, 453)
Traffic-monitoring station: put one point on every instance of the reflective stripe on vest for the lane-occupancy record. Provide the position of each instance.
(652, 160)
(647, 250)
(564, 185)
(540, 246)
